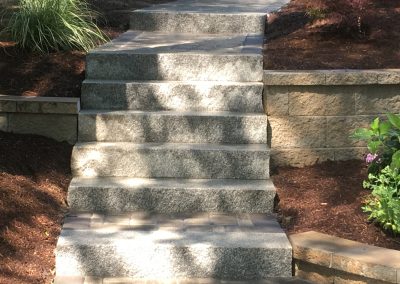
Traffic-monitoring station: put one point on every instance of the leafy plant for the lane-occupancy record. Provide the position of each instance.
(47, 25)
(383, 205)
(383, 142)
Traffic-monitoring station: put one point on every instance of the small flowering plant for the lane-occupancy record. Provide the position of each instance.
(383, 142)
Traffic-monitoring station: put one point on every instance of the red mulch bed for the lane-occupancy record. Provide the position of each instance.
(327, 198)
(294, 41)
(34, 177)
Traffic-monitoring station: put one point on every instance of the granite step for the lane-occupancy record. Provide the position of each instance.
(206, 16)
(119, 195)
(172, 95)
(171, 160)
(138, 55)
(145, 246)
(172, 127)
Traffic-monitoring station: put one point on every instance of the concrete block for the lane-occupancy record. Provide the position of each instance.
(7, 105)
(388, 76)
(340, 128)
(199, 161)
(297, 132)
(321, 100)
(61, 127)
(351, 77)
(276, 100)
(172, 95)
(287, 78)
(173, 127)
(116, 195)
(377, 99)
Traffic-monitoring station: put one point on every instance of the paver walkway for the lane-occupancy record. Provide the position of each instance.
(171, 172)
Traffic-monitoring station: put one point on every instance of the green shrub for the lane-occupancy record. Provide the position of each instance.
(383, 205)
(383, 141)
(47, 25)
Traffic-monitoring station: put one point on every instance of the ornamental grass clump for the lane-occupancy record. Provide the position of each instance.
(50, 25)
(383, 142)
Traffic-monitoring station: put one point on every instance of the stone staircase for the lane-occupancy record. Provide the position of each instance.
(171, 172)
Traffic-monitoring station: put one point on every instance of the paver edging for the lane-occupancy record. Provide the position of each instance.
(328, 259)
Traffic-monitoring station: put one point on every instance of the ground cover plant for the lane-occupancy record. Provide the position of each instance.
(383, 141)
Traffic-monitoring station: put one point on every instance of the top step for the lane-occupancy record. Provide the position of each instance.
(206, 16)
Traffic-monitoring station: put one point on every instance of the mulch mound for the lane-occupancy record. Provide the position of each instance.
(34, 177)
(327, 198)
(294, 41)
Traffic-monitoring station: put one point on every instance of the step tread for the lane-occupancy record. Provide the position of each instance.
(175, 146)
(156, 42)
(211, 6)
(212, 229)
(172, 113)
(175, 183)
(158, 82)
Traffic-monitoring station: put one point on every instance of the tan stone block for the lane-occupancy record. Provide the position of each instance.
(351, 77)
(119, 280)
(7, 105)
(389, 76)
(321, 100)
(47, 105)
(345, 154)
(340, 128)
(300, 157)
(276, 100)
(312, 272)
(298, 132)
(57, 126)
(3, 122)
(93, 280)
(294, 77)
(68, 280)
(378, 99)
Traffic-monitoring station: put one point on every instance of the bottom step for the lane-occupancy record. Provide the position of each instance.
(141, 246)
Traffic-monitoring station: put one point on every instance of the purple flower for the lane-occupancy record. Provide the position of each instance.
(370, 158)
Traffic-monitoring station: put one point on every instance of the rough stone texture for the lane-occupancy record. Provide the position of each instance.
(297, 132)
(61, 127)
(319, 100)
(301, 156)
(171, 160)
(206, 16)
(201, 67)
(3, 122)
(7, 105)
(340, 128)
(173, 127)
(117, 195)
(351, 77)
(346, 256)
(300, 78)
(389, 76)
(172, 95)
(164, 253)
(379, 99)
(276, 100)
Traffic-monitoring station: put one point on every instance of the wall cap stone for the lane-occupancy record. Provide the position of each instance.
(58, 105)
(349, 256)
(332, 77)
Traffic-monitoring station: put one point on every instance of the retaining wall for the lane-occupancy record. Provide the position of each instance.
(312, 114)
(51, 117)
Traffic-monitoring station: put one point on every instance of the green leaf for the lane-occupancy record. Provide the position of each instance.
(373, 146)
(396, 160)
(384, 128)
(375, 124)
(394, 120)
(362, 134)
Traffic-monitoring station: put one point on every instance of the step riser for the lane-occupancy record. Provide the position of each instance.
(122, 200)
(155, 127)
(202, 96)
(142, 256)
(182, 66)
(197, 23)
(131, 161)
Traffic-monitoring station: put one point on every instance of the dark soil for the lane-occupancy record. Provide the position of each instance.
(327, 198)
(295, 41)
(34, 176)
